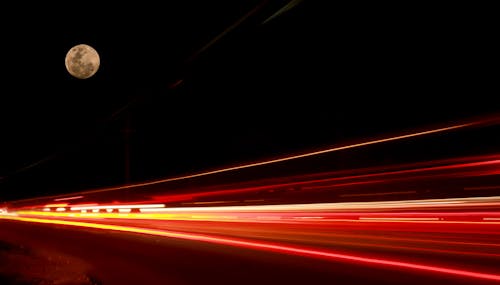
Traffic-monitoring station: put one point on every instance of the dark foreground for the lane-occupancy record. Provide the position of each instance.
(52, 254)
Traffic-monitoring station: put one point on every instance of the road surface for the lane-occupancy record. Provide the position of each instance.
(116, 257)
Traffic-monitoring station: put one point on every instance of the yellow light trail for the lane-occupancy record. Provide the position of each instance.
(268, 246)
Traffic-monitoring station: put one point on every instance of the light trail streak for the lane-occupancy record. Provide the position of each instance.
(403, 211)
(377, 194)
(69, 198)
(398, 219)
(269, 217)
(274, 247)
(493, 120)
(488, 165)
(483, 188)
(120, 206)
(226, 31)
(56, 205)
(382, 205)
(284, 9)
(292, 157)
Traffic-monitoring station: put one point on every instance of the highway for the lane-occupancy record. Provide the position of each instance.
(435, 222)
(117, 257)
(451, 241)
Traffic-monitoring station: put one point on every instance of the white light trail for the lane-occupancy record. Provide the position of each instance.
(450, 202)
(118, 207)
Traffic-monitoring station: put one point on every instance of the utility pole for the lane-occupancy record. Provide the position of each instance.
(127, 131)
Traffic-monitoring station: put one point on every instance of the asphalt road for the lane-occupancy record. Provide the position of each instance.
(108, 257)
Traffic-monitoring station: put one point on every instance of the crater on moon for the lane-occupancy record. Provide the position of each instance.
(82, 61)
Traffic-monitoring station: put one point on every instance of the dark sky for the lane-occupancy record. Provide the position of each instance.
(317, 75)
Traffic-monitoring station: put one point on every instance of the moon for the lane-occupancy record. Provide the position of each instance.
(82, 61)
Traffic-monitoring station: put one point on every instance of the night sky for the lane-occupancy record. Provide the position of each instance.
(169, 100)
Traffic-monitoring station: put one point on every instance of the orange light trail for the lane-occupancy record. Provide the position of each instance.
(291, 218)
(286, 249)
(68, 198)
(406, 211)
(489, 165)
(294, 157)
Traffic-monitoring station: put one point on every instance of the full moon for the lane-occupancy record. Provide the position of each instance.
(82, 61)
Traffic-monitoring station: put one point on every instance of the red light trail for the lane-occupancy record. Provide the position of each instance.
(280, 248)
(394, 217)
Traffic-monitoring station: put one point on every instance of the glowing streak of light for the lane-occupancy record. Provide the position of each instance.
(270, 217)
(211, 202)
(293, 157)
(84, 204)
(493, 187)
(226, 31)
(326, 212)
(398, 219)
(284, 9)
(408, 204)
(485, 121)
(273, 247)
(61, 209)
(312, 217)
(341, 181)
(377, 194)
(68, 198)
(413, 221)
(118, 207)
(56, 205)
